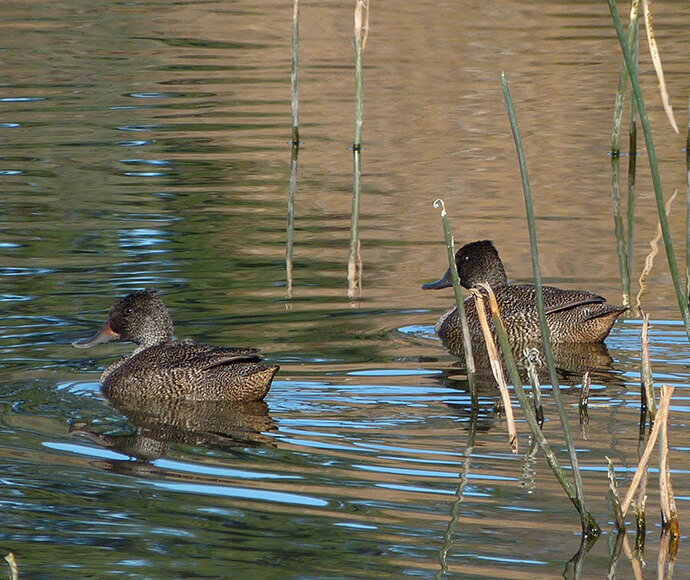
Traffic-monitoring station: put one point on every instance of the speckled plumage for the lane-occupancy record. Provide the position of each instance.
(164, 368)
(573, 316)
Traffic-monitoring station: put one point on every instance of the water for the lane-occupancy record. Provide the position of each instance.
(147, 144)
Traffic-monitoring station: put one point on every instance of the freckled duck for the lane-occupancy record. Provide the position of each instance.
(573, 316)
(162, 367)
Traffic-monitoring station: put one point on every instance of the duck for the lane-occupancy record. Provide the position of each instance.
(573, 316)
(164, 368)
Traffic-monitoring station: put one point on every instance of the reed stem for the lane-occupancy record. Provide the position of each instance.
(632, 167)
(289, 246)
(622, 84)
(354, 261)
(466, 337)
(624, 243)
(619, 230)
(590, 528)
(647, 382)
(361, 26)
(654, 166)
(294, 80)
(572, 454)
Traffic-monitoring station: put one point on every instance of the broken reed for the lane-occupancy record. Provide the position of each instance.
(589, 526)
(496, 368)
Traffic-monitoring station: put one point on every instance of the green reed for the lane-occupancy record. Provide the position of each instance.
(466, 338)
(623, 82)
(621, 245)
(654, 165)
(624, 241)
(585, 517)
(361, 28)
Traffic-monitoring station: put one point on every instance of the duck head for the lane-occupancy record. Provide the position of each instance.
(476, 262)
(140, 317)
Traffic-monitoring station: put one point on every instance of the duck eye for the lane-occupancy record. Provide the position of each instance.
(128, 311)
(465, 258)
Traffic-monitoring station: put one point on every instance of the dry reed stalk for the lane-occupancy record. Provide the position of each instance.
(496, 368)
(637, 562)
(669, 512)
(649, 260)
(14, 568)
(590, 528)
(354, 272)
(656, 61)
(662, 414)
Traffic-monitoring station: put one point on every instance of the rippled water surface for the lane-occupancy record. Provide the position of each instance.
(147, 145)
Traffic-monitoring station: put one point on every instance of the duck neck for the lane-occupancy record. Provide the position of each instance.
(158, 336)
(497, 278)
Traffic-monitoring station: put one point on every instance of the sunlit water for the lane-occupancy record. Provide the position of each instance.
(147, 144)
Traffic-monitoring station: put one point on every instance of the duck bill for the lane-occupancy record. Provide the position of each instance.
(444, 282)
(105, 334)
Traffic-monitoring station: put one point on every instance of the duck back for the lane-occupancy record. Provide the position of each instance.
(572, 316)
(191, 371)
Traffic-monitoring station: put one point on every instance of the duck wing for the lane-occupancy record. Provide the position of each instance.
(566, 299)
(205, 356)
(188, 354)
(555, 299)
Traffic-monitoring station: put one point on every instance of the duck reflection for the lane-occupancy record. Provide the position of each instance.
(572, 361)
(162, 423)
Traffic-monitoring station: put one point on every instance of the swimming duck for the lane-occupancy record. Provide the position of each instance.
(162, 367)
(573, 316)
